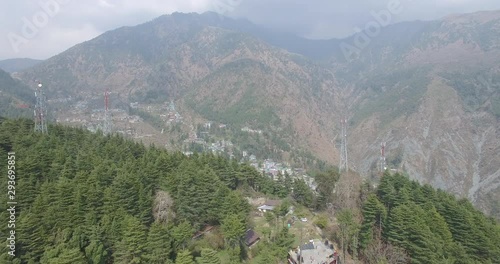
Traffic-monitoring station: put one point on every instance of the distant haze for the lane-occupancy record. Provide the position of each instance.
(44, 28)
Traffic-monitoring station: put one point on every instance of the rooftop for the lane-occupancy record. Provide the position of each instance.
(251, 237)
(316, 252)
(272, 202)
(266, 207)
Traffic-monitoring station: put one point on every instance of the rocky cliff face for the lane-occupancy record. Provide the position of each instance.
(441, 144)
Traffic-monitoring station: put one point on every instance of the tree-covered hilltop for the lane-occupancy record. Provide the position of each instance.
(430, 226)
(90, 198)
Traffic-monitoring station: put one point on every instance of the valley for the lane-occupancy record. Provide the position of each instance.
(199, 138)
(432, 96)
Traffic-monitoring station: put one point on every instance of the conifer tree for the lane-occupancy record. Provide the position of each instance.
(233, 227)
(131, 248)
(63, 254)
(374, 214)
(208, 256)
(95, 251)
(184, 257)
(181, 233)
(159, 244)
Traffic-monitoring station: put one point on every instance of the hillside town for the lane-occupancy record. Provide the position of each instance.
(85, 114)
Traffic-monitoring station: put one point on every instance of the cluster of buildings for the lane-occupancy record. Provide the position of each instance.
(193, 138)
(274, 169)
(268, 166)
(313, 251)
(221, 146)
(173, 116)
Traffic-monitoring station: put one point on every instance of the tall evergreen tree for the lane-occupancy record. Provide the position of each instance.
(374, 218)
(208, 256)
(233, 227)
(131, 248)
(184, 257)
(159, 244)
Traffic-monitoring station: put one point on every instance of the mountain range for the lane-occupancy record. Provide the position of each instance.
(15, 65)
(429, 90)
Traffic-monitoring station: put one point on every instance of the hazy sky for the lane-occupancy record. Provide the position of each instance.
(43, 28)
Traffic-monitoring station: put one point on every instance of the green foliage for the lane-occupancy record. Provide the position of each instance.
(184, 257)
(250, 108)
(270, 217)
(348, 228)
(392, 94)
(432, 226)
(475, 87)
(374, 214)
(181, 233)
(282, 243)
(302, 193)
(326, 184)
(89, 198)
(233, 229)
(159, 243)
(131, 248)
(208, 256)
(150, 96)
(321, 221)
(63, 255)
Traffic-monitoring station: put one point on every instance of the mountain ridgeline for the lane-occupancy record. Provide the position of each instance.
(428, 89)
(16, 65)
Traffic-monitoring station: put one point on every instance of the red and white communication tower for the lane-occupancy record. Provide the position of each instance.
(382, 163)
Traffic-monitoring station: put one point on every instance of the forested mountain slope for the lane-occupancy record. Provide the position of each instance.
(431, 226)
(429, 90)
(88, 198)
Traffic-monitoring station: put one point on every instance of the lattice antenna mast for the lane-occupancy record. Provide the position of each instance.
(382, 162)
(40, 113)
(343, 166)
(108, 122)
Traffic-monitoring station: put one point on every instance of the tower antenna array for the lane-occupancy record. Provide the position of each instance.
(107, 127)
(40, 113)
(343, 166)
(382, 163)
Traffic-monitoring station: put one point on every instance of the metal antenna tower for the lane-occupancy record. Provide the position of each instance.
(40, 113)
(343, 146)
(382, 164)
(107, 127)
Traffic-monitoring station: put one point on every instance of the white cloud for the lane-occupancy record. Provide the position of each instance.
(105, 3)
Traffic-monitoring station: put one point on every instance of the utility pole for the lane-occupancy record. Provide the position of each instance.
(343, 166)
(107, 127)
(40, 113)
